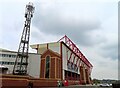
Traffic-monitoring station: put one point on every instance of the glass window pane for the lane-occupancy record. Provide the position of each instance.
(47, 67)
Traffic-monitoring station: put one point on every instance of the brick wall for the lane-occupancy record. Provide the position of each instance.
(42, 71)
(55, 65)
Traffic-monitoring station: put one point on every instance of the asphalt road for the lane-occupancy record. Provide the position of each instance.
(77, 86)
(82, 86)
(85, 86)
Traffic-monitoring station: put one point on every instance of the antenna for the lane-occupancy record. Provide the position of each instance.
(21, 62)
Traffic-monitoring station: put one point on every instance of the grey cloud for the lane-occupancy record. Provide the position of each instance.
(110, 50)
(53, 23)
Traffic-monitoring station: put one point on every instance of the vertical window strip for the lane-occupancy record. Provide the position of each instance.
(47, 72)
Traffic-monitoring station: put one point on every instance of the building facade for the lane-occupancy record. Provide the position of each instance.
(58, 61)
(53, 61)
(50, 65)
(7, 60)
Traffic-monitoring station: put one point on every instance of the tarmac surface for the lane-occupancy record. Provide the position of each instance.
(81, 86)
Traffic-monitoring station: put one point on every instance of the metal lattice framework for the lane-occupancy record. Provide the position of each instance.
(74, 48)
(21, 62)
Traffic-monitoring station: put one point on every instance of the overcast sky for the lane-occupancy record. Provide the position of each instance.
(91, 24)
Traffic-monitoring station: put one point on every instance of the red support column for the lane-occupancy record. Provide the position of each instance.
(70, 56)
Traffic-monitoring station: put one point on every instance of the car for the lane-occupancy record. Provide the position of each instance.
(104, 85)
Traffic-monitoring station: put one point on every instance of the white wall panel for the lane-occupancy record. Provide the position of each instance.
(42, 48)
(34, 65)
(64, 55)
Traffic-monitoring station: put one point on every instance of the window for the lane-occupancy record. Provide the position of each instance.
(3, 63)
(6, 63)
(9, 55)
(69, 75)
(47, 67)
(12, 63)
(3, 55)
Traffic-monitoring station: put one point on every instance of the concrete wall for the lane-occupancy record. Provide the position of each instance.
(42, 48)
(55, 46)
(34, 65)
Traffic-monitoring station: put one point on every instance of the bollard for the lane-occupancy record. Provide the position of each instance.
(65, 82)
(59, 83)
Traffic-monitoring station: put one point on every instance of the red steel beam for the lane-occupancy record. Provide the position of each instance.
(70, 56)
(77, 61)
(72, 46)
(74, 58)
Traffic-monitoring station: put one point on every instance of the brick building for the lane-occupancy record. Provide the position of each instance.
(58, 61)
(53, 62)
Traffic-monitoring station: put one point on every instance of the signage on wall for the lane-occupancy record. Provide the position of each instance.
(72, 67)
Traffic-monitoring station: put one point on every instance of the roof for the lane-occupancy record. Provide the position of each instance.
(5, 50)
(1, 49)
(35, 46)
